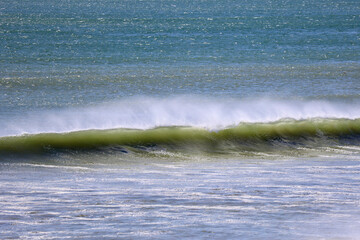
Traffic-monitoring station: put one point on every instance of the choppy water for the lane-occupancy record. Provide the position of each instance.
(252, 199)
(179, 119)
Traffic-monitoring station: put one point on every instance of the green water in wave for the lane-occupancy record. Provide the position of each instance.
(256, 137)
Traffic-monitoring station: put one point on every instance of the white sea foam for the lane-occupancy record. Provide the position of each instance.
(145, 113)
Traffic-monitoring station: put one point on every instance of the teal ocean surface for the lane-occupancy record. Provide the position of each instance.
(168, 119)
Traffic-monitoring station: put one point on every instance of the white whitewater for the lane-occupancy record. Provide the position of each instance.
(195, 111)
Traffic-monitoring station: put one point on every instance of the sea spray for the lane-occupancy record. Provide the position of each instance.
(192, 111)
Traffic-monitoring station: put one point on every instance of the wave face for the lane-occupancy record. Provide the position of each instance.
(258, 137)
(199, 112)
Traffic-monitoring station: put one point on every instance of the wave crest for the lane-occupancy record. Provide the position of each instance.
(286, 133)
(200, 112)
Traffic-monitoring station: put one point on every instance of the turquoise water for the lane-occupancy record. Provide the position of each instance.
(179, 119)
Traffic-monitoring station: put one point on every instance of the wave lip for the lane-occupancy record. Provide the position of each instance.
(286, 133)
(195, 111)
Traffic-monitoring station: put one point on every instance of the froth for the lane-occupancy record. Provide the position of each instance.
(146, 113)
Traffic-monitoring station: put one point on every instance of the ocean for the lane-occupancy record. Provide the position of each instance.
(176, 119)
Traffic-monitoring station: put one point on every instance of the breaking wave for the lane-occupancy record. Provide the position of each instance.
(199, 112)
(286, 133)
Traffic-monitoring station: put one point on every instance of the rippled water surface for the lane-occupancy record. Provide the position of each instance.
(283, 199)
